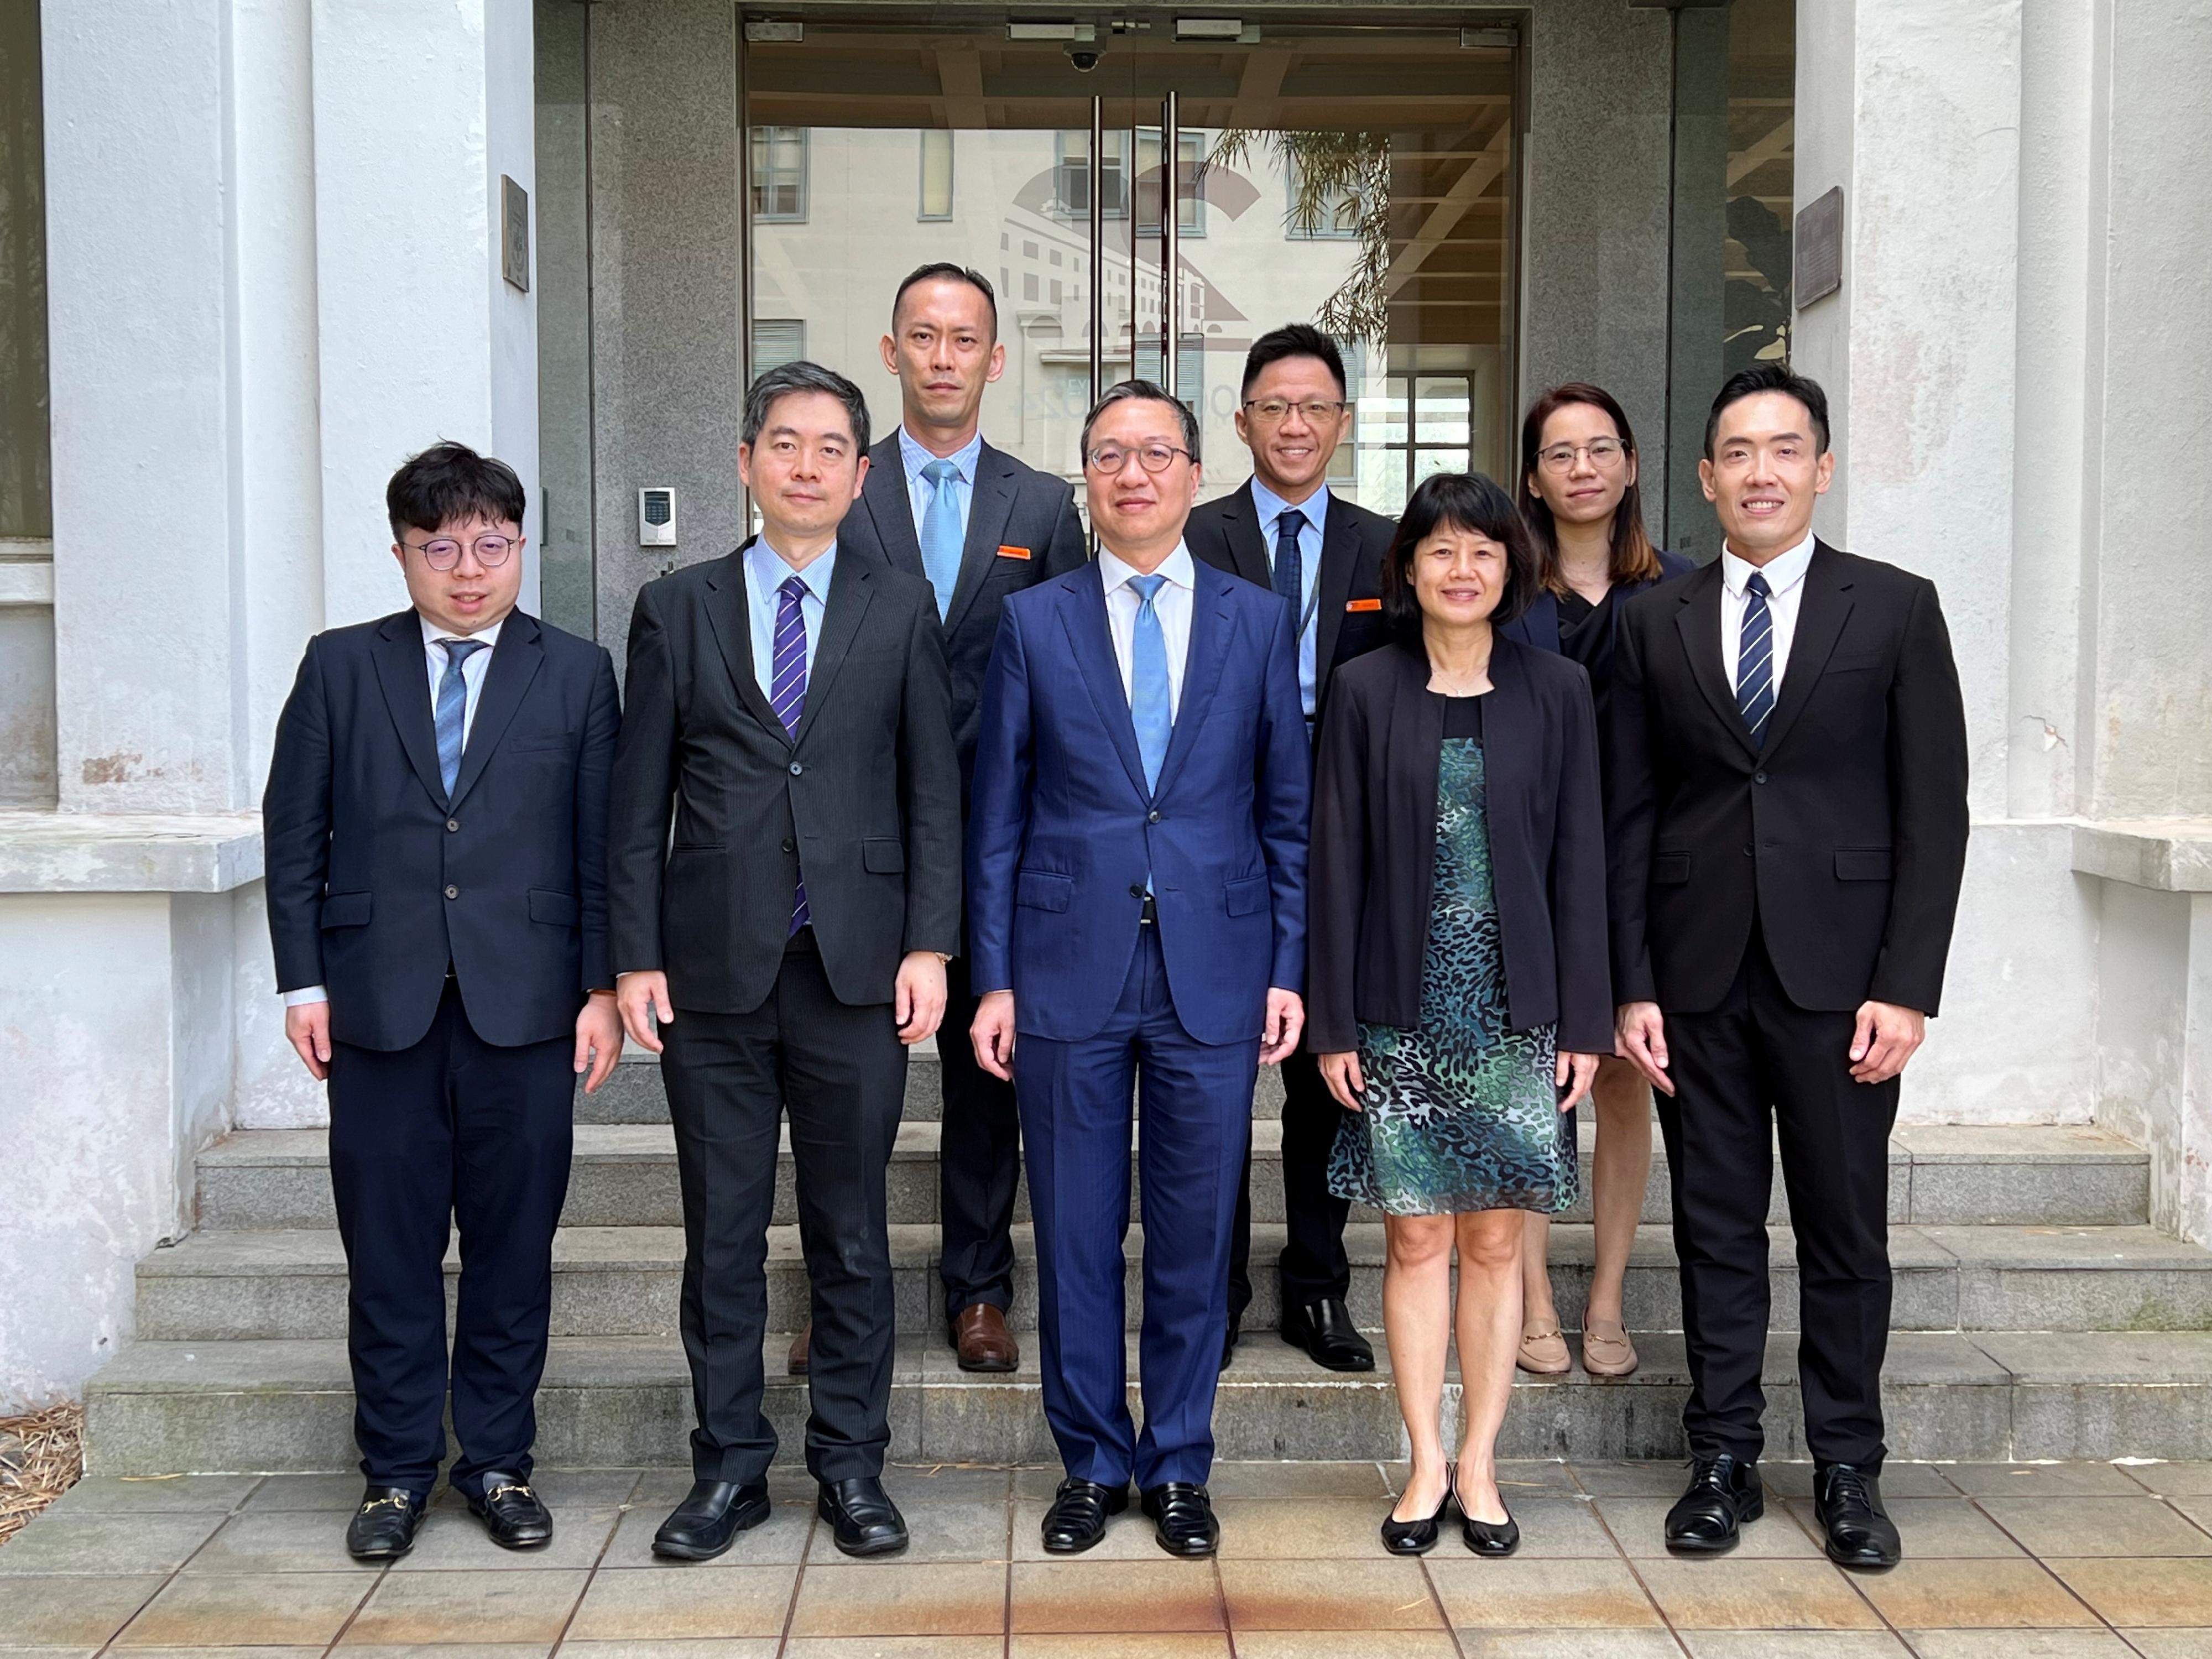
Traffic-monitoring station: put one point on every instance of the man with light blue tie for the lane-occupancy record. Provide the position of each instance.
(1136, 870)
(941, 503)
(1285, 531)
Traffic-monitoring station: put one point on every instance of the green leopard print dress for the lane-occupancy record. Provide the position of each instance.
(1460, 1112)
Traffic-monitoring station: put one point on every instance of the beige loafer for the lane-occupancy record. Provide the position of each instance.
(1544, 1349)
(1607, 1351)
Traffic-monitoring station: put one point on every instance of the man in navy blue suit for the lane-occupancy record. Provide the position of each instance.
(1136, 868)
(436, 828)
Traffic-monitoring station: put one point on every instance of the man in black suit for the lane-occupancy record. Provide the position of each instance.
(1285, 531)
(436, 824)
(942, 504)
(1787, 816)
(788, 708)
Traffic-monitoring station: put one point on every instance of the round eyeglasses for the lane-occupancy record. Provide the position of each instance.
(1602, 453)
(1109, 458)
(443, 553)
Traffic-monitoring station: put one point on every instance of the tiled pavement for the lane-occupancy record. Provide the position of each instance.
(2056, 1561)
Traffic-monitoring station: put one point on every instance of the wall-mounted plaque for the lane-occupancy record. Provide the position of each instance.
(1819, 248)
(514, 233)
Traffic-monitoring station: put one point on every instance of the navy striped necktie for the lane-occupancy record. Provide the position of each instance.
(1754, 661)
(787, 692)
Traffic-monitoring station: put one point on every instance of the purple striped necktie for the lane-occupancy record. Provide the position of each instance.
(787, 692)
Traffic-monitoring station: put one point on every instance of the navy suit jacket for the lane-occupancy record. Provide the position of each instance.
(377, 878)
(1063, 832)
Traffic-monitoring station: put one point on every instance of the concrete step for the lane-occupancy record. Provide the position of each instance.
(169, 1407)
(624, 1281)
(625, 1175)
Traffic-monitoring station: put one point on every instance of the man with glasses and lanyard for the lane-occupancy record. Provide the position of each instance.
(1136, 904)
(1283, 531)
(436, 826)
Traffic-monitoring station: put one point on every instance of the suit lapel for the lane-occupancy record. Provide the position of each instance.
(890, 508)
(1083, 617)
(514, 664)
(404, 674)
(990, 505)
(851, 588)
(1698, 622)
(1339, 552)
(1539, 623)
(729, 619)
(1240, 525)
(1822, 609)
(1210, 624)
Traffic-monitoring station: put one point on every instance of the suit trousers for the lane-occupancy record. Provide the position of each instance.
(979, 1162)
(840, 1072)
(1194, 1109)
(1313, 1264)
(1755, 1070)
(452, 1130)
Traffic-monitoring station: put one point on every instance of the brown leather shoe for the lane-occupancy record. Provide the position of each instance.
(984, 1343)
(796, 1363)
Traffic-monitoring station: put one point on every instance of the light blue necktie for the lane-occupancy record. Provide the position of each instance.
(454, 708)
(1148, 681)
(940, 533)
(1754, 661)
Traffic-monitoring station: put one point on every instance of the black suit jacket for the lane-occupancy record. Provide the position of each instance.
(1372, 859)
(1844, 833)
(377, 880)
(1348, 608)
(1021, 528)
(864, 797)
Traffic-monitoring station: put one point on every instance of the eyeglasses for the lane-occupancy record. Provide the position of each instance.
(1108, 459)
(444, 553)
(1271, 411)
(1602, 453)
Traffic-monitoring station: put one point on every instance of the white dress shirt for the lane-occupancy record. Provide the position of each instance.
(1271, 508)
(474, 667)
(765, 575)
(1172, 604)
(1785, 582)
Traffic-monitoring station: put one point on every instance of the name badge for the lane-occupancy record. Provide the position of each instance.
(1014, 552)
(1362, 604)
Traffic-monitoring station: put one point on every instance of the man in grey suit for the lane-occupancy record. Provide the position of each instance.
(942, 504)
(789, 721)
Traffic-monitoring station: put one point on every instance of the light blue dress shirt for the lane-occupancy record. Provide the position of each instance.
(1272, 506)
(920, 492)
(765, 574)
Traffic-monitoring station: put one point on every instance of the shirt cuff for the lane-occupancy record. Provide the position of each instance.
(306, 994)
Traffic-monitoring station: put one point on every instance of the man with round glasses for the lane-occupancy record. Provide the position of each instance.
(1285, 531)
(436, 824)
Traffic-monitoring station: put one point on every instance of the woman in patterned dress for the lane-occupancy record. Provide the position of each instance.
(1458, 995)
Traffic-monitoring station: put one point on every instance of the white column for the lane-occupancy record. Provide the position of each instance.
(420, 106)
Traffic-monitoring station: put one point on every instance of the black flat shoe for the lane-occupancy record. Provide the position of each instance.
(1229, 1339)
(1418, 1536)
(383, 1528)
(1183, 1519)
(511, 1515)
(1847, 1503)
(1724, 1493)
(709, 1519)
(1324, 1329)
(1077, 1519)
(863, 1520)
(1494, 1538)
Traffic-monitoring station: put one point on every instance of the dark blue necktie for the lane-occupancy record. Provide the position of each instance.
(1754, 661)
(1289, 563)
(787, 692)
(454, 708)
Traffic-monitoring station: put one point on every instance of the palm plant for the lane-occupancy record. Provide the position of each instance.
(1336, 178)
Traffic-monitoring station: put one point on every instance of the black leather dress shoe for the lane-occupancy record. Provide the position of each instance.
(709, 1519)
(511, 1513)
(1418, 1535)
(1724, 1493)
(1324, 1329)
(1077, 1519)
(1182, 1518)
(863, 1520)
(383, 1528)
(1847, 1503)
(1229, 1339)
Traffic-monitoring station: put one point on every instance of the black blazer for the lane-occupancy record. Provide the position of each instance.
(1348, 608)
(1021, 528)
(865, 796)
(376, 880)
(1845, 834)
(1373, 853)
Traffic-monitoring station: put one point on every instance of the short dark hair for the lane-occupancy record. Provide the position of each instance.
(1141, 391)
(1293, 340)
(1772, 377)
(1464, 501)
(800, 375)
(945, 271)
(450, 481)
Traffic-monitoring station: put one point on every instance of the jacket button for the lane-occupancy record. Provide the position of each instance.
(1759, 777)
(796, 769)
(789, 845)
(1746, 849)
(1153, 817)
(452, 823)
(1136, 890)
(452, 892)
